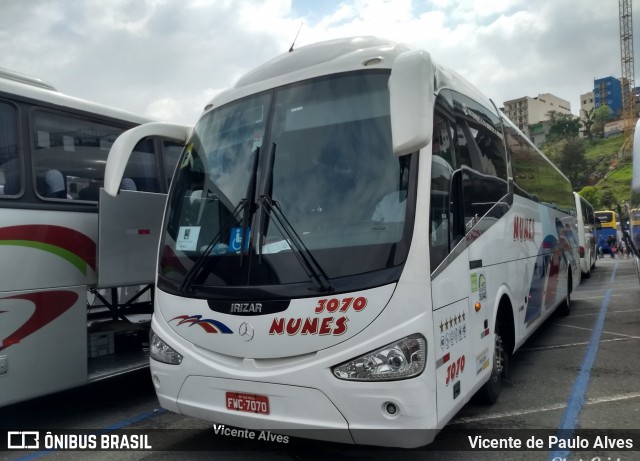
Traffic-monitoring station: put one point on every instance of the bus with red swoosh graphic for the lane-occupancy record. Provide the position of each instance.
(73, 290)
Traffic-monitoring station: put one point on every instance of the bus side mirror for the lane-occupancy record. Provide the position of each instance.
(635, 181)
(411, 91)
(598, 225)
(125, 143)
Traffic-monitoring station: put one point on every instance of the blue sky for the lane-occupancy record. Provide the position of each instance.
(313, 10)
(167, 58)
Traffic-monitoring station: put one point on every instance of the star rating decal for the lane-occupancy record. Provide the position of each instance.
(452, 321)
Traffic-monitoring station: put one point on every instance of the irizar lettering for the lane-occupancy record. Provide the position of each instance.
(246, 307)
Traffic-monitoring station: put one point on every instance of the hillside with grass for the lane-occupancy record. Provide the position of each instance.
(603, 177)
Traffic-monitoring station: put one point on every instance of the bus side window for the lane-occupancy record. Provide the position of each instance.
(170, 155)
(75, 146)
(484, 173)
(151, 165)
(440, 237)
(141, 173)
(10, 177)
(52, 184)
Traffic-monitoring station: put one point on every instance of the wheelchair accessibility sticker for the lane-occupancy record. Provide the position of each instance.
(236, 240)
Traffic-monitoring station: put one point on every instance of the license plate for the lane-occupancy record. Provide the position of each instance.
(250, 403)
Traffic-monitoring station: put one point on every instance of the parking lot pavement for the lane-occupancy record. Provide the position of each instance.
(578, 372)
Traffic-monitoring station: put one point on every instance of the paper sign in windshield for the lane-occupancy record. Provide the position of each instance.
(188, 238)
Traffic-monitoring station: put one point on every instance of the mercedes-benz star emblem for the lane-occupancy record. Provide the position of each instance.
(246, 331)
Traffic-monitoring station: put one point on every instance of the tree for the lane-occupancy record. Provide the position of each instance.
(563, 126)
(602, 115)
(592, 195)
(588, 121)
(572, 161)
(608, 199)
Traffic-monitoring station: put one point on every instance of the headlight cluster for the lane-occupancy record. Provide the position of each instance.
(161, 351)
(402, 359)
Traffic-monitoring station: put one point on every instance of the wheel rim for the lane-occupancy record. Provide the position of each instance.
(498, 362)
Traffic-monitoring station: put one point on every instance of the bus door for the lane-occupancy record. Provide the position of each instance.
(128, 235)
(449, 275)
(468, 191)
(463, 343)
(451, 317)
(130, 216)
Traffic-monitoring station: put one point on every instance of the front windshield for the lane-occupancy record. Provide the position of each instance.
(320, 153)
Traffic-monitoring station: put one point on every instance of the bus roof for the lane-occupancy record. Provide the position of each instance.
(24, 78)
(336, 56)
(26, 86)
(344, 55)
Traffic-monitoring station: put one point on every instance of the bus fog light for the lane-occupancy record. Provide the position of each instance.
(402, 359)
(391, 408)
(161, 351)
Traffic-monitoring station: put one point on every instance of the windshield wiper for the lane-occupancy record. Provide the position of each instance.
(248, 202)
(191, 274)
(309, 263)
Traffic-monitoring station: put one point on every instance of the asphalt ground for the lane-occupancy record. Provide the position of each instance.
(578, 373)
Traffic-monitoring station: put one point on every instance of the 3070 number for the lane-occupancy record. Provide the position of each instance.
(454, 369)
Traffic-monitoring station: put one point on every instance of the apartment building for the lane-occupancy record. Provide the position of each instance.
(608, 90)
(527, 112)
(587, 103)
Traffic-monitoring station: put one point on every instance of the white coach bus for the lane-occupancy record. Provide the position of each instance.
(68, 315)
(587, 226)
(634, 204)
(355, 240)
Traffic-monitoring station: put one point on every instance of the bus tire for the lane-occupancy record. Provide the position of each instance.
(490, 391)
(565, 306)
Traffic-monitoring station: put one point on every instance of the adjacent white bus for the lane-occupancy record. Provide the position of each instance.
(587, 224)
(54, 333)
(634, 202)
(355, 240)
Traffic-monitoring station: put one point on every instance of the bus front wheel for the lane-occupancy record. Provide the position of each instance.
(490, 392)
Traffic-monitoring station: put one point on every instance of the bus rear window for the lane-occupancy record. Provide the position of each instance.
(604, 217)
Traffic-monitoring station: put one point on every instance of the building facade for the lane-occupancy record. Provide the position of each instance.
(587, 104)
(608, 90)
(529, 114)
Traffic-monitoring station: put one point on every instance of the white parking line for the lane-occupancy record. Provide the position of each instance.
(573, 298)
(611, 312)
(589, 329)
(554, 407)
(562, 346)
(598, 289)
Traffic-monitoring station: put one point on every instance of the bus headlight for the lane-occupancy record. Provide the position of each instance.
(402, 359)
(161, 351)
